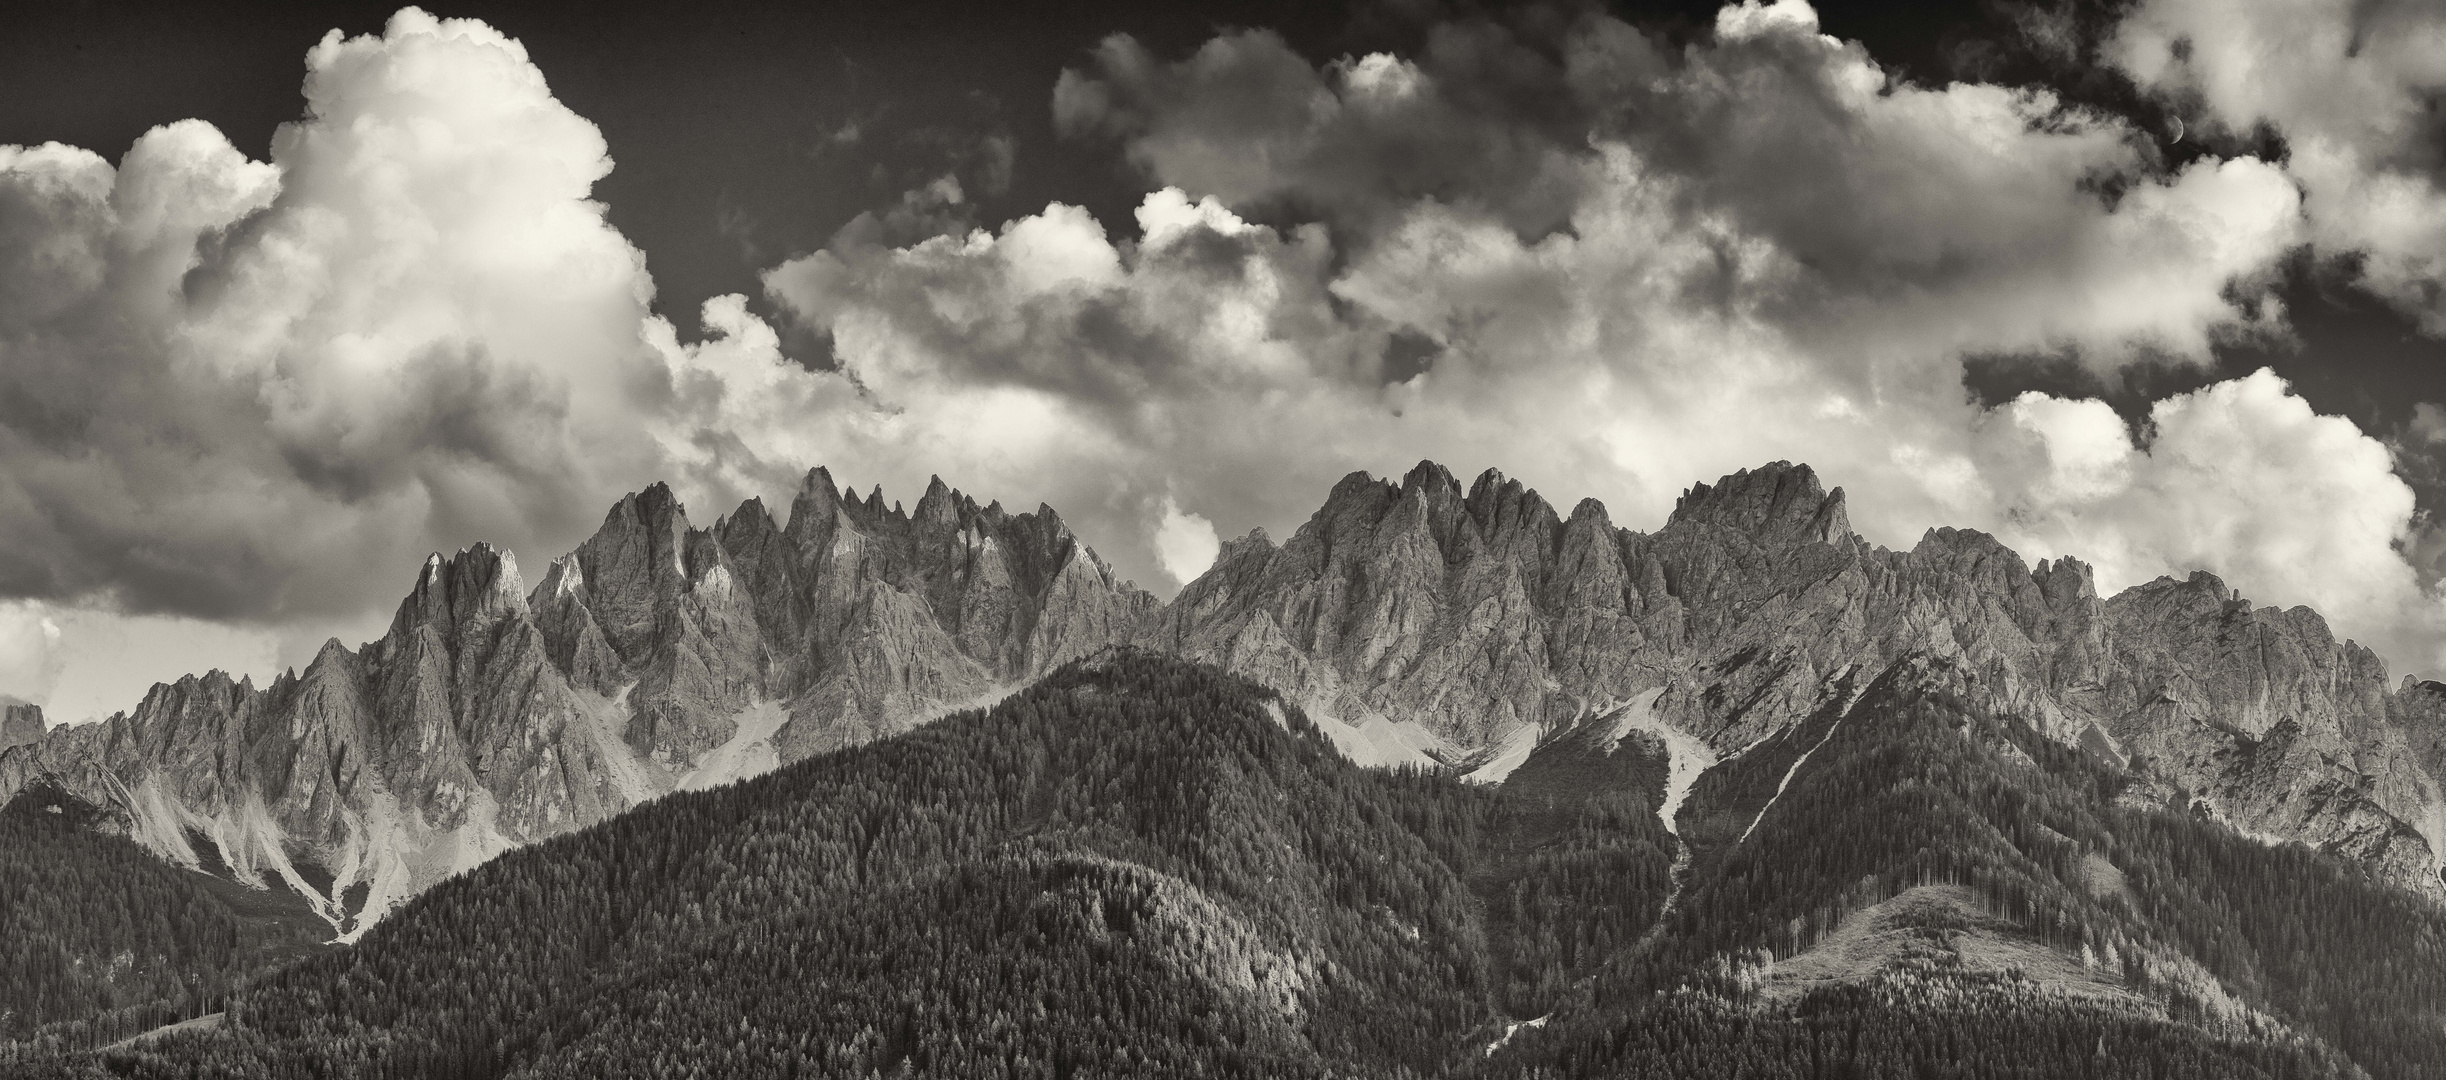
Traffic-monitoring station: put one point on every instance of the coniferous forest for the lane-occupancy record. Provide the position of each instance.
(1141, 867)
(100, 940)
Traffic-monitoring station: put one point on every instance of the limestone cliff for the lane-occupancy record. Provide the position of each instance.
(20, 723)
(1479, 619)
(1415, 620)
(656, 656)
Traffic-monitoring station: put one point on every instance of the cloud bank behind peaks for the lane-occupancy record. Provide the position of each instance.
(1605, 263)
(233, 388)
(1612, 266)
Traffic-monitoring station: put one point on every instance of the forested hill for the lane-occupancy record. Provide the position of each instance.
(100, 940)
(1141, 867)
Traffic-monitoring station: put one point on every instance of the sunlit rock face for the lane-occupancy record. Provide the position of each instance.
(1465, 615)
(1417, 621)
(656, 656)
(20, 724)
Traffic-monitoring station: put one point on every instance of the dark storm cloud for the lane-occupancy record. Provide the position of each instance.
(1478, 117)
(1969, 193)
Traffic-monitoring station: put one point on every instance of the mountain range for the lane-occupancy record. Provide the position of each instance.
(1446, 783)
(1416, 622)
(1141, 866)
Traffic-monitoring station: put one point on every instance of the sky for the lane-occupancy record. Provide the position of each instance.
(292, 295)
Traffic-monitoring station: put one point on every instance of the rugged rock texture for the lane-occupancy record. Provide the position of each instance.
(1473, 614)
(655, 656)
(1415, 618)
(20, 724)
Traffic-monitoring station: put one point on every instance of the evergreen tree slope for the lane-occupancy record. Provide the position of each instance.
(1143, 867)
(1942, 891)
(99, 939)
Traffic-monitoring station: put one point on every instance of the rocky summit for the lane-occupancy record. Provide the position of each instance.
(657, 656)
(20, 723)
(1417, 622)
(1421, 620)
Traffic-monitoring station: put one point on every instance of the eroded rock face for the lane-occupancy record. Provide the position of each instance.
(661, 655)
(1472, 614)
(20, 724)
(655, 656)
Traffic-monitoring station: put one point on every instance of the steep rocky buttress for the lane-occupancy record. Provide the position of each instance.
(656, 656)
(1416, 621)
(1456, 624)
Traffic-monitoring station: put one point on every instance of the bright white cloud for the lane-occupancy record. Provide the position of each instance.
(2352, 87)
(30, 656)
(1185, 543)
(244, 387)
(2241, 479)
(1698, 309)
(266, 387)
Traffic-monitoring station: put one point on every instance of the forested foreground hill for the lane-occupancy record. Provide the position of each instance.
(1141, 867)
(100, 940)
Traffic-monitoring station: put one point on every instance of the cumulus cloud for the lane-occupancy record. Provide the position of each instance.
(2241, 478)
(1609, 265)
(234, 387)
(1917, 223)
(2351, 86)
(1185, 543)
(1759, 246)
(30, 656)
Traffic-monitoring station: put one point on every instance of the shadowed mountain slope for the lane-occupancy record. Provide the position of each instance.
(1417, 622)
(657, 656)
(1143, 867)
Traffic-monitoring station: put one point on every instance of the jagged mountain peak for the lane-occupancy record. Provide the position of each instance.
(1417, 620)
(476, 587)
(751, 511)
(2065, 580)
(1429, 477)
(818, 497)
(941, 506)
(562, 578)
(819, 480)
(1777, 501)
(20, 722)
(1430, 503)
(655, 503)
(1590, 513)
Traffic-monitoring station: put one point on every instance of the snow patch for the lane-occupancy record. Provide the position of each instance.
(747, 753)
(1382, 743)
(604, 719)
(1515, 748)
(1375, 742)
(1687, 756)
(1510, 1030)
(987, 699)
(1795, 770)
(399, 856)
